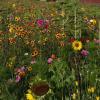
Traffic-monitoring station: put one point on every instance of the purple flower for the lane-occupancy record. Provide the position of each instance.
(50, 60)
(22, 68)
(11, 17)
(84, 52)
(18, 78)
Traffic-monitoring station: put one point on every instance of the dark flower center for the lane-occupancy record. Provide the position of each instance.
(77, 44)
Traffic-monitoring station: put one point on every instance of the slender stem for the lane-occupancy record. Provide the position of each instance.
(99, 31)
(75, 22)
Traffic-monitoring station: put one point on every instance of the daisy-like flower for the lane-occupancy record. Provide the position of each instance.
(77, 45)
(26, 54)
(17, 18)
(35, 53)
(12, 40)
(29, 68)
(11, 29)
(58, 36)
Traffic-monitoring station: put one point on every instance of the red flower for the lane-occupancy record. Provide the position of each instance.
(71, 40)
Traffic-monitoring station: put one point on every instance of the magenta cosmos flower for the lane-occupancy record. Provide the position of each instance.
(40, 22)
(84, 52)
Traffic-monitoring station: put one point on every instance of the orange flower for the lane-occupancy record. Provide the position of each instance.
(19, 28)
(35, 53)
(22, 74)
(58, 36)
(12, 40)
(32, 43)
(62, 44)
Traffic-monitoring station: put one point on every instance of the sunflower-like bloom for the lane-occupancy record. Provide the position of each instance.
(77, 45)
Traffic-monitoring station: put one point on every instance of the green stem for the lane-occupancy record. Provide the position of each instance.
(75, 22)
(99, 31)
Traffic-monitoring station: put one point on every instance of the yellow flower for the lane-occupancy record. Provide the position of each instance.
(77, 45)
(29, 91)
(76, 83)
(83, 9)
(29, 95)
(91, 89)
(93, 21)
(11, 29)
(62, 14)
(97, 97)
(73, 96)
(14, 5)
(77, 91)
(17, 18)
(52, 14)
(30, 69)
(85, 18)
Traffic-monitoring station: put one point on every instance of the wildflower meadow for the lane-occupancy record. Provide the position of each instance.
(49, 50)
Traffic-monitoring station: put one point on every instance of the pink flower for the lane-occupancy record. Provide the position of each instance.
(43, 23)
(22, 68)
(84, 52)
(40, 22)
(18, 78)
(33, 62)
(50, 60)
(97, 41)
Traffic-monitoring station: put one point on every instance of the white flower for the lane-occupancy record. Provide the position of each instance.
(26, 54)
